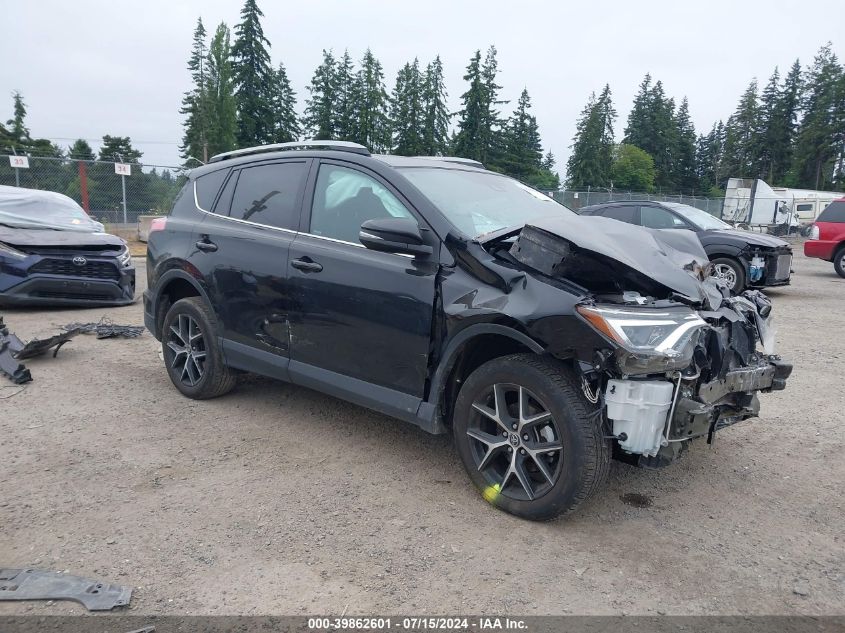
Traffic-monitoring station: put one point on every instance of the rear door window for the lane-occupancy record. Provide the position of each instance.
(207, 186)
(659, 218)
(270, 194)
(835, 212)
(624, 213)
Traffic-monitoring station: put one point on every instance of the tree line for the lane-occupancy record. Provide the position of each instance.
(239, 99)
(791, 134)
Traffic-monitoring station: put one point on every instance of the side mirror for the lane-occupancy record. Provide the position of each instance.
(393, 235)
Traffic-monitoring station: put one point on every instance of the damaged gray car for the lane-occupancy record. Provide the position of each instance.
(460, 300)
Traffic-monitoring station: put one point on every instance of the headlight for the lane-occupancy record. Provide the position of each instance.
(649, 341)
(8, 251)
(125, 257)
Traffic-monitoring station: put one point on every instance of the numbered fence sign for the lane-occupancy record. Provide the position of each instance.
(19, 162)
(122, 169)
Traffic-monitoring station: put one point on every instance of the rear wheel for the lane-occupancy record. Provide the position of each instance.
(189, 344)
(839, 262)
(530, 441)
(731, 272)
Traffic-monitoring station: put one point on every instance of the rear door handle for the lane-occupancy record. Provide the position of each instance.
(206, 245)
(305, 264)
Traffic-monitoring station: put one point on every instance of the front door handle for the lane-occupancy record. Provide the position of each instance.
(307, 265)
(206, 245)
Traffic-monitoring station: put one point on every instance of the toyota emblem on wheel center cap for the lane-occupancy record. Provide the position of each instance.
(79, 261)
(514, 439)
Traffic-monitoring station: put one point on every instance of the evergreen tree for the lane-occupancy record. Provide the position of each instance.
(743, 136)
(119, 149)
(685, 175)
(708, 158)
(285, 119)
(194, 102)
(435, 113)
(817, 146)
(372, 125)
(478, 122)
(548, 179)
(345, 105)
(253, 78)
(407, 111)
(223, 124)
(319, 120)
(523, 153)
(652, 127)
(18, 129)
(80, 150)
(590, 163)
(786, 113)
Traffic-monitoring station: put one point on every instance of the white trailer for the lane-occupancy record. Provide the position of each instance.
(753, 203)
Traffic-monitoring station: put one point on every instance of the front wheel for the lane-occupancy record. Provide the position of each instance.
(839, 262)
(729, 271)
(530, 441)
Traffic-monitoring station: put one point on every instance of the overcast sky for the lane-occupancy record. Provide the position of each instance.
(91, 68)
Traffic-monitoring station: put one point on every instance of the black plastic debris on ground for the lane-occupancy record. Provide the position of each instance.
(37, 584)
(13, 350)
(105, 328)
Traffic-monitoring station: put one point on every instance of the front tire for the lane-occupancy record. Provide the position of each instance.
(530, 441)
(192, 356)
(731, 272)
(839, 262)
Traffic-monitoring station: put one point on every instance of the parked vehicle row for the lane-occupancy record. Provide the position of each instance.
(462, 301)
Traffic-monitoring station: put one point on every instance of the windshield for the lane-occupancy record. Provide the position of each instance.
(700, 218)
(32, 209)
(479, 202)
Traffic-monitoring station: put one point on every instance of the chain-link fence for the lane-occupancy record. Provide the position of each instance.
(578, 199)
(107, 196)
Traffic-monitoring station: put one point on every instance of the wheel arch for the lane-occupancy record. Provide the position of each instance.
(469, 349)
(172, 286)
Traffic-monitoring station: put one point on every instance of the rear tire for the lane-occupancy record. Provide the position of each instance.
(554, 459)
(839, 262)
(731, 271)
(192, 356)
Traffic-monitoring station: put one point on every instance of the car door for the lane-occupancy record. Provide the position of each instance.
(360, 315)
(242, 253)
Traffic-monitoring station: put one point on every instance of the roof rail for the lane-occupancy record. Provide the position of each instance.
(455, 159)
(340, 146)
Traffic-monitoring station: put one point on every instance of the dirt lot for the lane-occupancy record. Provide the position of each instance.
(276, 499)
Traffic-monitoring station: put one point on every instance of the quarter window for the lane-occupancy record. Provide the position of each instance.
(623, 214)
(345, 198)
(207, 187)
(268, 194)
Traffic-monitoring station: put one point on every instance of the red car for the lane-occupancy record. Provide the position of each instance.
(827, 239)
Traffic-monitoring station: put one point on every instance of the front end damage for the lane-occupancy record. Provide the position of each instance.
(681, 358)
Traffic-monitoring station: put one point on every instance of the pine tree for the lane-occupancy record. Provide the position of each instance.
(253, 78)
(548, 180)
(477, 136)
(652, 127)
(194, 102)
(372, 125)
(435, 113)
(285, 119)
(119, 148)
(18, 129)
(817, 146)
(345, 105)
(788, 106)
(743, 136)
(407, 111)
(591, 160)
(223, 124)
(708, 158)
(492, 138)
(685, 175)
(80, 150)
(319, 120)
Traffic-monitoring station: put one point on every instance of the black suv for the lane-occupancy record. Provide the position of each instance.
(460, 300)
(742, 259)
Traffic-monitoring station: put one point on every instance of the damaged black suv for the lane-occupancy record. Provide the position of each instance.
(459, 300)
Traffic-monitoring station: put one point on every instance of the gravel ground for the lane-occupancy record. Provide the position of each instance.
(278, 500)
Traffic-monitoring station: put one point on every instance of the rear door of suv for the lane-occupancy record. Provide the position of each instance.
(242, 251)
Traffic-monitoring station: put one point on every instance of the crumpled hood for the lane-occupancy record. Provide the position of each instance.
(41, 237)
(674, 259)
(733, 236)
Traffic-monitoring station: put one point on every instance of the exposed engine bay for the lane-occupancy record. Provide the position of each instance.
(683, 358)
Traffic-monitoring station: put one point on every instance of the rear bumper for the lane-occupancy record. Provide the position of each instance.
(821, 249)
(63, 290)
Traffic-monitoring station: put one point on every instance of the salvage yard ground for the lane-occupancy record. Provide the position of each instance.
(278, 500)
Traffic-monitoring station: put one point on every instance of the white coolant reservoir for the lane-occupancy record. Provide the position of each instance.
(638, 408)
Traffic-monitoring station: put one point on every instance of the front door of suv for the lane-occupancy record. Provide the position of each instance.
(361, 315)
(242, 253)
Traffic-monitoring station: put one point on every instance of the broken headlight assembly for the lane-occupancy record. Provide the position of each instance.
(125, 257)
(647, 341)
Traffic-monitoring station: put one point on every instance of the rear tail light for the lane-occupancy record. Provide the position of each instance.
(158, 224)
(814, 232)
